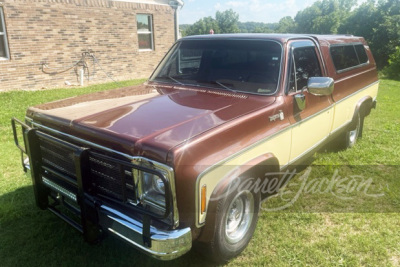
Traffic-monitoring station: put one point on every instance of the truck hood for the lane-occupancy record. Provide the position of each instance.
(146, 120)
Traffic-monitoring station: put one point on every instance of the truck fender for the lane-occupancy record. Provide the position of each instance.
(258, 167)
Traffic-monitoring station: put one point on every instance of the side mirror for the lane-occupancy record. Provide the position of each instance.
(320, 86)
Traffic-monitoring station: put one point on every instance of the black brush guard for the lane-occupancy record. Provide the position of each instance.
(47, 178)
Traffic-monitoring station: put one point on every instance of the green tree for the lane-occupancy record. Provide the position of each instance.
(202, 26)
(286, 25)
(324, 17)
(387, 33)
(256, 27)
(227, 21)
(379, 24)
(362, 21)
(224, 22)
(262, 29)
(392, 71)
(305, 19)
(378, 21)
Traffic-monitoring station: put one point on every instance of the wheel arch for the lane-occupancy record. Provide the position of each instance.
(258, 167)
(363, 107)
(255, 168)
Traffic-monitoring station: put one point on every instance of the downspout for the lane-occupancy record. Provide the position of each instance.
(176, 4)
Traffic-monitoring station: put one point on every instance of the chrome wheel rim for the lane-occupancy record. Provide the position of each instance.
(353, 134)
(239, 217)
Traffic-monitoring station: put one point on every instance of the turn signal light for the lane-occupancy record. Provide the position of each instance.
(203, 199)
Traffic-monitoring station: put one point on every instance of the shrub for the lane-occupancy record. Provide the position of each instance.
(392, 71)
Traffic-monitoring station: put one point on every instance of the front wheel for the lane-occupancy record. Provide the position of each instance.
(234, 224)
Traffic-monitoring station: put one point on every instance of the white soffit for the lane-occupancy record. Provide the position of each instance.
(155, 2)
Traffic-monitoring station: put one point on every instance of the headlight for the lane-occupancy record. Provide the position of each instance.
(155, 185)
(153, 191)
(151, 188)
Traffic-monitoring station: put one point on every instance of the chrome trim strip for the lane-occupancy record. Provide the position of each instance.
(134, 159)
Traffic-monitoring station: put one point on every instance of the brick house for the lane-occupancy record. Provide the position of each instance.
(43, 42)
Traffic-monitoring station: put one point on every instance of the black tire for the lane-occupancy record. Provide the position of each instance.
(233, 225)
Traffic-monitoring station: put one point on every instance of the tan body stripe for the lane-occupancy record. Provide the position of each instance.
(280, 144)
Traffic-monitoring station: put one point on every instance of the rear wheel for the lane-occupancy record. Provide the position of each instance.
(350, 137)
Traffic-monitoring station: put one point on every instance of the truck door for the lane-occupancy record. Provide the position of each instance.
(311, 116)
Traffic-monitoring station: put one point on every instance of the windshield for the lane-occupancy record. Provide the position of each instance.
(251, 66)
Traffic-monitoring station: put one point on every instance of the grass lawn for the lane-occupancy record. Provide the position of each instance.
(353, 223)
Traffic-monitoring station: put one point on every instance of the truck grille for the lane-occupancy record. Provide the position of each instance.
(112, 178)
(108, 176)
(57, 157)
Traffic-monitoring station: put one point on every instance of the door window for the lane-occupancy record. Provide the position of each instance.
(304, 64)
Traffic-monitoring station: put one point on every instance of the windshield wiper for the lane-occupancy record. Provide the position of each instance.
(224, 86)
(171, 78)
(218, 83)
(175, 80)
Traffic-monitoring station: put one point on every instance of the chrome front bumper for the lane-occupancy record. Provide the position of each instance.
(165, 245)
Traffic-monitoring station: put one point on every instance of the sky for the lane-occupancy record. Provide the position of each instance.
(268, 11)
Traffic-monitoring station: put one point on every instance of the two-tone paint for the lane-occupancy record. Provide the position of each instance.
(254, 139)
(206, 135)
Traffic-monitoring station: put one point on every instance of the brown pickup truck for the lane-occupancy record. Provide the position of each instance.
(158, 165)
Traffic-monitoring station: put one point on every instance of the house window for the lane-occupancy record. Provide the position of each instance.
(145, 31)
(3, 37)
